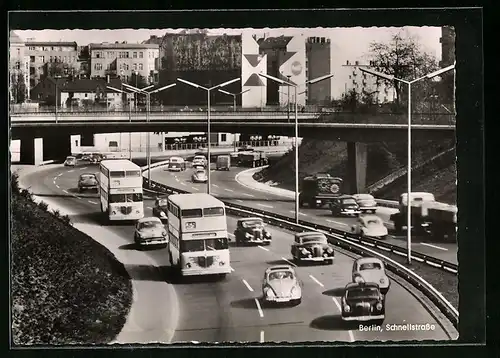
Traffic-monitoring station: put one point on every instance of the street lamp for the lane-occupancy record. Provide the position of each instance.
(192, 84)
(291, 84)
(408, 83)
(148, 109)
(234, 96)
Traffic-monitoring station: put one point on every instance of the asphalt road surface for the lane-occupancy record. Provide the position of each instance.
(226, 310)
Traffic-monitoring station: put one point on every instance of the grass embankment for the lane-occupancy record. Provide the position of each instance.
(66, 288)
(382, 159)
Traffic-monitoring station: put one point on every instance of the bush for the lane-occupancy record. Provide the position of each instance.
(66, 288)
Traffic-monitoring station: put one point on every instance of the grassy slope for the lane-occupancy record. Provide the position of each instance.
(66, 288)
(383, 158)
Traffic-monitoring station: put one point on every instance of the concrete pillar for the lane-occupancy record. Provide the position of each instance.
(356, 167)
(87, 139)
(56, 147)
(31, 151)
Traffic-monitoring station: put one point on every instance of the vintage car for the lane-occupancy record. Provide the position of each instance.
(70, 161)
(150, 231)
(251, 231)
(176, 164)
(199, 176)
(87, 181)
(312, 246)
(363, 302)
(370, 225)
(199, 161)
(160, 208)
(344, 205)
(371, 269)
(366, 203)
(281, 285)
(223, 162)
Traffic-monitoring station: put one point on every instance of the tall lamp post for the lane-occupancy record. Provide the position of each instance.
(192, 84)
(234, 96)
(291, 84)
(408, 83)
(148, 110)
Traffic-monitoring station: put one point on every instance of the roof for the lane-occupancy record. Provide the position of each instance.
(250, 218)
(370, 217)
(90, 85)
(14, 38)
(51, 43)
(364, 260)
(148, 219)
(308, 233)
(279, 268)
(193, 201)
(119, 164)
(345, 196)
(60, 82)
(103, 46)
(361, 284)
(274, 42)
(359, 196)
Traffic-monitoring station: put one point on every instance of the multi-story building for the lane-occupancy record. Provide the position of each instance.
(18, 68)
(447, 41)
(123, 59)
(318, 64)
(41, 53)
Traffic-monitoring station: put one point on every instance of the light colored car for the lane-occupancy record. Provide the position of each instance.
(176, 164)
(281, 285)
(70, 161)
(371, 270)
(150, 231)
(199, 176)
(199, 161)
(370, 225)
(366, 202)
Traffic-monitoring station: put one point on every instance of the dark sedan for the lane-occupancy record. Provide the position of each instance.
(87, 181)
(363, 302)
(344, 205)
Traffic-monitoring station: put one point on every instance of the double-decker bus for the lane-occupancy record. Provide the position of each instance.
(120, 190)
(198, 239)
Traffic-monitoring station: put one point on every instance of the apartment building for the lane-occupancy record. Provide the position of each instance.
(41, 53)
(18, 66)
(318, 64)
(123, 59)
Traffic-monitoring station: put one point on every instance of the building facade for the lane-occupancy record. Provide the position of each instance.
(318, 64)
(42, 53)
(447, 41)
(254, 87)
(18, 69)
(123, 59)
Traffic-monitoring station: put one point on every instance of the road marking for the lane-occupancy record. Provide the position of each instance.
(76, 196)
(434, 246)
(149, 207)
(290, 262)
(262, 337)
(248, 286)
(215, 185)
(84, 168)
(261, 314)
(58, 187)
(337, 222)
(232, 269)
(252, 196)
(183, 183)
(239, 200)
(262, 247)
(177, 179)
(92, 202)
(64, 191)
(265, 205)
(71, 171)
(351, 335)
(195, 188)
(54, 181)
(59, 174)
(230, 190)
(316, 280)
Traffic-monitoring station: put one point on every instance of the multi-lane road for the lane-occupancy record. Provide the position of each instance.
(229, 310)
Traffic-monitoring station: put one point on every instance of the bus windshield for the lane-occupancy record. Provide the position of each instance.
(204, 244)
(125, 198)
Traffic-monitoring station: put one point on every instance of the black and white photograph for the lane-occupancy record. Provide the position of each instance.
(217, 185)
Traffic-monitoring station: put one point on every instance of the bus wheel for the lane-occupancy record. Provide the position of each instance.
(222, 276)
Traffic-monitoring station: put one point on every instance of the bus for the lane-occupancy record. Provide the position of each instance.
(120, 190)
(198, 239)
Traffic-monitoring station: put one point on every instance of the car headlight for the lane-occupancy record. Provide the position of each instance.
(378, 306)
(114, 212)
(247, 235)
(268, 234)
(164, 233)
(329, 250)
(295, 291)
(304, 251)
(270, 293)
(382, 281)
(162, 214)
(347, 308)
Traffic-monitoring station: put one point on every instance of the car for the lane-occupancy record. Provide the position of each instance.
(344, 205)
(363, 301)
(312, 246)
(281, 285)
(165, 165)
(150, 231)
(87, 181)
(160, 208)
(370, 225)
(251, 231)
(70, 161)
(371, 269)
(199, 176)
(366, 203)
(176, 164)
(199, 161)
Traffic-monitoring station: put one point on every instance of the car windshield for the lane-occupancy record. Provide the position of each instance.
(200, 172)
(199, 158)
(87, 176)
(70, 158)
(314, 238)
(252, 223)
(370, 266)
(348, 201)
(281, 275)
(175, 160)
(150, 225)
(366, 292)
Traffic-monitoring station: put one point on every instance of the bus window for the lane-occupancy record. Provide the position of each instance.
(119, 174)
(125, 198)
(217, 211)
(133, 173)
(192, 245)
(191, 213)
(216, 244)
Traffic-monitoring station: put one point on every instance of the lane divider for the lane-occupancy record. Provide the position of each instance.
(248, 286)
(316, 280)
(263, 248)
(257, 303)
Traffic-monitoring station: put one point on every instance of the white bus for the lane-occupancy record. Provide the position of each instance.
(198, 239)
(120, 190)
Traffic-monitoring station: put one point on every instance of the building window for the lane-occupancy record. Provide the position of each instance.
(223, 137)
(126, 67)
(141, 67)
(135, 54)
(52, 48)
(98, 66)
(85, 95)
(141, 54)
(50, 60)
(64, 58)
(135, 66)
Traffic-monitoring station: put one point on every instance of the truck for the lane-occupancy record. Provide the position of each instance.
(428, 216)
(223, 162)
(320, 189)
(252, 159)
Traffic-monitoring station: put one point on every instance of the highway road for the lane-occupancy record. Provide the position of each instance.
(225, 186)
(227, 310)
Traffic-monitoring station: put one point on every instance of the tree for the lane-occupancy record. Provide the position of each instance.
(141, 80)
(58, 69)
(352, 101)
(403, 58)
(18, 87)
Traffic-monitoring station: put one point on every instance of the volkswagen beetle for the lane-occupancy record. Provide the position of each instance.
(370, 225)
(199, 176)
(150, 231)
(363, 302)
(371, 269)
(281, 285)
